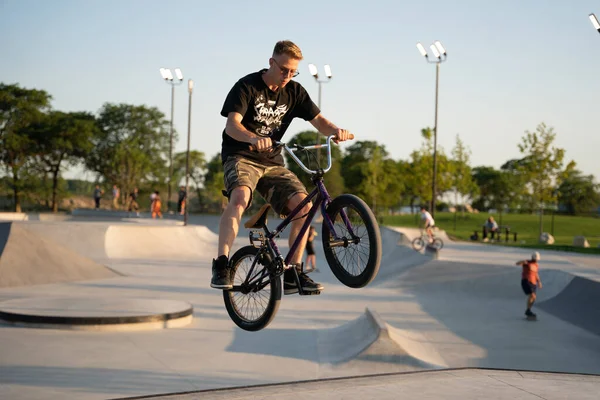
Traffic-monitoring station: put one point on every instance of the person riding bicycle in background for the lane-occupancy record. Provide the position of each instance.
(427, 223)
(259, 108)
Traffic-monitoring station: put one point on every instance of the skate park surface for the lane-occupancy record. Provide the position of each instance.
(445, 326)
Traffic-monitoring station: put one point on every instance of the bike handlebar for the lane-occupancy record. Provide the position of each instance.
(297, 147)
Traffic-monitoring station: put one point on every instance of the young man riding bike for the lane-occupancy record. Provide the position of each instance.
(259, 108)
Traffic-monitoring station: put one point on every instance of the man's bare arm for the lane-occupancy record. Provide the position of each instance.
(236, 130)
(324, 126)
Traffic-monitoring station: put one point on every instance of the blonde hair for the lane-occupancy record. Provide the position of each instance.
(289, 48)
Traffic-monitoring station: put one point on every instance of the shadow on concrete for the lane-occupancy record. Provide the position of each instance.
(111, 381)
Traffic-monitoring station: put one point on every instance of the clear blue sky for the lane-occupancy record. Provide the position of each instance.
(511, 65)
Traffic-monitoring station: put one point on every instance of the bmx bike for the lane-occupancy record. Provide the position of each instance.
(351, 243)
(419, 242)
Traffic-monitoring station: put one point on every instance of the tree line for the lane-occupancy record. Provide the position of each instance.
(127, 145)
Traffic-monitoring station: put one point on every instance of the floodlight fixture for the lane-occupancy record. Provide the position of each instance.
(178, 74)
(313, 70)
(327, 71)
(422, 49)
(595, 22)
(435, 51)
(440, 48)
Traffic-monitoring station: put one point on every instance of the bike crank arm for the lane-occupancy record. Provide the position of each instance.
(344, 242)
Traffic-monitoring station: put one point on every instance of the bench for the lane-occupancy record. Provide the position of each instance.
(497, 233)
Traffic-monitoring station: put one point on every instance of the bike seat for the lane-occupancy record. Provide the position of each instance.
(259, 219)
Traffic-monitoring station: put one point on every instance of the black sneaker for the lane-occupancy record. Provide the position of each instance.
(308, 285)
(221, 274)
(529, 313)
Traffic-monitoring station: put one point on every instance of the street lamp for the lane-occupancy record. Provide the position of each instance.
(168, 77)
(315, 73)
(595, 22)
(439, 56)
(187, 157)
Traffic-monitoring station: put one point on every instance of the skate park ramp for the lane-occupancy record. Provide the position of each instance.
(397, 255)
(368, 338)
(578, 303)
(29, 259)
(419, 319)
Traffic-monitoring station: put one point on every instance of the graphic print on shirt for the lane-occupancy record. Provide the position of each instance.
(269, 117)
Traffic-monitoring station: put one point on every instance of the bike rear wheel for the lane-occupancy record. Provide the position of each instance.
(355, 257)
(418, 243)
(251, 308)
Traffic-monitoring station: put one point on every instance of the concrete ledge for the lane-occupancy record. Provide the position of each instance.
(96, 313)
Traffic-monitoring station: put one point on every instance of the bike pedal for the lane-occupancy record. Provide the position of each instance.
(315, 293)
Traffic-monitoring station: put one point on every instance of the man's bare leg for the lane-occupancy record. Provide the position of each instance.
(297, 226)
(230, 219)
(530, 301)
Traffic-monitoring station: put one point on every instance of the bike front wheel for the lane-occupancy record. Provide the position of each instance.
(354, 257)
(418, 243)
(251, 306)
(437, 244)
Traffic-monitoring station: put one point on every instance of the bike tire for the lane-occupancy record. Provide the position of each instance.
(236, 302)
(418, 243)
(438, 243)
(366, 228)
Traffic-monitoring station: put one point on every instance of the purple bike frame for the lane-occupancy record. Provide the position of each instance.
(322, 200)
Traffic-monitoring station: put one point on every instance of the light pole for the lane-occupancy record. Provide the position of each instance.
(440, 55)
(168, 77)
(595, 22)
(187, 156)
(315, 73)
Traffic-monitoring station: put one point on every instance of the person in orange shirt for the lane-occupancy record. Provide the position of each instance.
(156, 206)
(530, 280)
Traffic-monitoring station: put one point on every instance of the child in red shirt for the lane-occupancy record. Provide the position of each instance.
(530, 280)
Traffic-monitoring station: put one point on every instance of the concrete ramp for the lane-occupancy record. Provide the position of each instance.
(369, 338)
(159, 242)
(397, 256)
(84, 238)
(481, 281)
(578, 304)
(28, 259)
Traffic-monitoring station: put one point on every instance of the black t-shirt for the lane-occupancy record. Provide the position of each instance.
(265, 113)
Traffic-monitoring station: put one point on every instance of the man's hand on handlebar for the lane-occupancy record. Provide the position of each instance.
(261, 144)
(342, 135)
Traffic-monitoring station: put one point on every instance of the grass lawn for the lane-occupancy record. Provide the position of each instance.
(526, 226)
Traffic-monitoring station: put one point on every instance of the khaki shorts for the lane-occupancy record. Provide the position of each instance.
(277, 185)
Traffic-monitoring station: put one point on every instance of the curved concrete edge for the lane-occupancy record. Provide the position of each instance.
(413, 343)
(95, 314)
(367, 335)
(125, 327)
(13, 216)
(577, 304)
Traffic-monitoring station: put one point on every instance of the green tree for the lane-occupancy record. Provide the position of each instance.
(542, 166)
(365, 172)
(19, 108)
(577, 192)
(131, 147)
(422, 168)
(214, 184)
(333, 178)
(460, 175)
(61, 138)
(460, 169)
